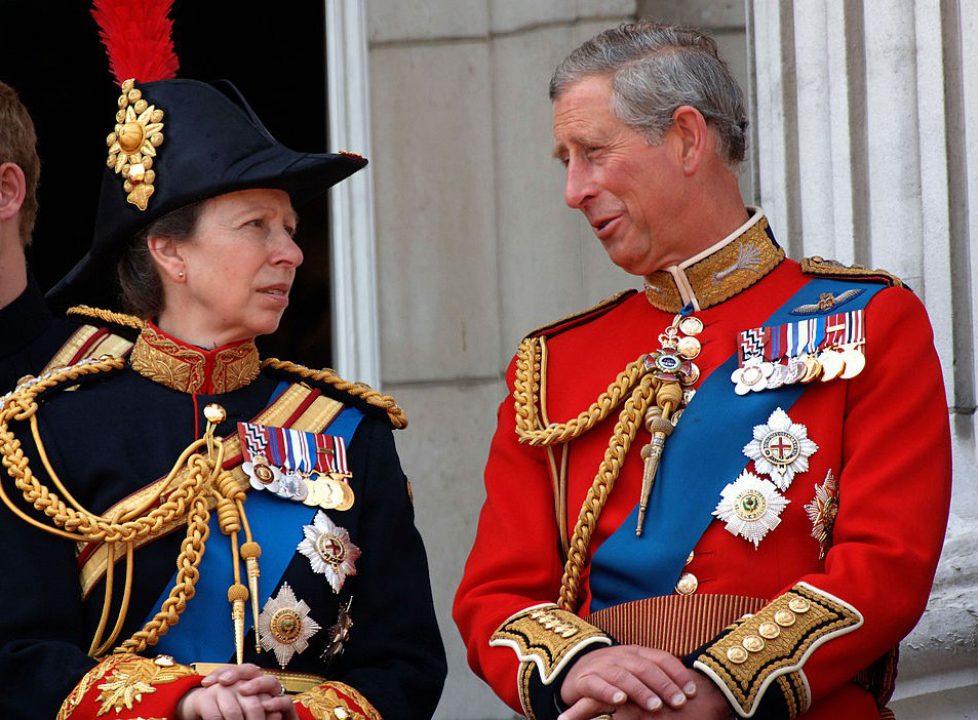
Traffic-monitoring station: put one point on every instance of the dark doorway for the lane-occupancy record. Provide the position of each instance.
(274, 52)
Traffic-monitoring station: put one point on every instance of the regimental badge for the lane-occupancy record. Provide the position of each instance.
(285, 625)
(751, 507)
(306, 467)
(780, 449)
(822, 511)
(133, 143)
(330, 550)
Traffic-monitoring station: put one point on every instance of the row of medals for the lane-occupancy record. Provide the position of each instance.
(315, 489)
(844, 362)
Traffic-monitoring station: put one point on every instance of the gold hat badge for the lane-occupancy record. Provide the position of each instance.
(132, 145)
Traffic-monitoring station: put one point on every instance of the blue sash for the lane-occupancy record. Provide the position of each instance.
(205, 632)
(703, 454)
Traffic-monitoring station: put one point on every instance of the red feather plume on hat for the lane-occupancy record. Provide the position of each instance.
(137, 35)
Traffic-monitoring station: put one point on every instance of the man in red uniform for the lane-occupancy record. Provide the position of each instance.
(725, 497)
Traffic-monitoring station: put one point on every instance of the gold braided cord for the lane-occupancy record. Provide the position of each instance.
(527, 389)
(187, 501)
(358, 390)
(108, 316)
(626, 428)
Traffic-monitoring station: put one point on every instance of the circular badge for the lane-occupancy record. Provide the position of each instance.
(799, 605)
(832, 365)
(784, 618)
(750, 505)
(780, 448)
(687, 585)
(286, 625)
(668, 363)
(263, 473)
(330, 548)
(692, 376)
(855, 362)
(752, 643)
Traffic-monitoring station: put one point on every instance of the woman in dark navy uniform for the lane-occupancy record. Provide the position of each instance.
(190, 532)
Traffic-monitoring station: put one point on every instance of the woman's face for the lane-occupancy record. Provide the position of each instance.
(238, 268)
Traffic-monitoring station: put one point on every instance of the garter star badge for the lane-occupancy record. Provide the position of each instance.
(780, 448)
(285, 625)
(330, 550)
(751, 507)
(822, 511)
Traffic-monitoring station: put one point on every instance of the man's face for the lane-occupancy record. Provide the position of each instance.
(630, 191)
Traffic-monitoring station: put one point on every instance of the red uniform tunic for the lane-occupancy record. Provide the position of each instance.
(883, 435)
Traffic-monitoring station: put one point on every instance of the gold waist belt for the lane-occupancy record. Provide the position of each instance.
(293, 682)
(677, 624)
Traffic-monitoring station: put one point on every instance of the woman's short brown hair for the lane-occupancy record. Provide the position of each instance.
(139, 280)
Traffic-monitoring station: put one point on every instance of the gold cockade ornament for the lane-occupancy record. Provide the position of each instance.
(132, 145)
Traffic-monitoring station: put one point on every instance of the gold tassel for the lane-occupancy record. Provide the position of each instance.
(251, 551)
(668, 397)
(238, 596)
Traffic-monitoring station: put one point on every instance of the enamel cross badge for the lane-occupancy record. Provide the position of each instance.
(330, 550)
(780, 448)
(822, 511)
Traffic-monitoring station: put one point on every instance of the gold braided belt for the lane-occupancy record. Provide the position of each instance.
(196, 478)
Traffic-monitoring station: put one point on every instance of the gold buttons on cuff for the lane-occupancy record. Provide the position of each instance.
(687, 584)
(768, 630)
(784, 618)
(752, 643)
(737, 655)
(799, 605)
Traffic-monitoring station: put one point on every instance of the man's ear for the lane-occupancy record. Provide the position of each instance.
(13, 190)
(694, 137)
(165, 252)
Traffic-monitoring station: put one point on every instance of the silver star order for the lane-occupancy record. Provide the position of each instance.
(780, 448)
(751, 507)
(330, 550)
(285, 625)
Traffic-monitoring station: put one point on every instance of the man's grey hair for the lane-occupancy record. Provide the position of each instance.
(654, 70)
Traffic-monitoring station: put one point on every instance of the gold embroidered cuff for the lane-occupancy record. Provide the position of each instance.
(337, 701)
(547, 637)
(122, 682)
(772, 646)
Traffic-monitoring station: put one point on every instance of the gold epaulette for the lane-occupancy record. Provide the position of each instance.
(579, 318)
(106, 316)
(834, 269)
(766, 652)
(358, 390)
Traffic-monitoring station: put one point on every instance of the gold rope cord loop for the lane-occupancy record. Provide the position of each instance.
(188, 500)
(526, 393)
(364, 392)
(629, 421)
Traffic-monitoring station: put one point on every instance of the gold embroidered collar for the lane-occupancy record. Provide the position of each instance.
(168, 361)
(719, 272)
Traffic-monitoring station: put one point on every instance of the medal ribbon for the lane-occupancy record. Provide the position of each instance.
(627, 568)
(205, 632)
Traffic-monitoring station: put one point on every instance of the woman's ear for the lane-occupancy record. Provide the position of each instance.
(165, 252)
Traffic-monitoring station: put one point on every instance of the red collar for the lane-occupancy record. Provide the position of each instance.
(169, 361)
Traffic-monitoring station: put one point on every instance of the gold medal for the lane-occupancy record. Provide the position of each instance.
(812, 369)
(832, 365)
(855, 362)
(691, 325)
(346, 496)
(688, 347)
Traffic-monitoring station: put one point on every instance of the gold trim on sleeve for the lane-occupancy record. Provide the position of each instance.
(548, 637)
(337, 701)
(748, 660)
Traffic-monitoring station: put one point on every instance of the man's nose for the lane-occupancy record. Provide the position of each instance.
(578, 185)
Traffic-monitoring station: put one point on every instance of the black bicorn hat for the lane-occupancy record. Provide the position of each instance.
(176, 142)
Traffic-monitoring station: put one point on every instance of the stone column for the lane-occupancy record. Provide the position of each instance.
(866, 135)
